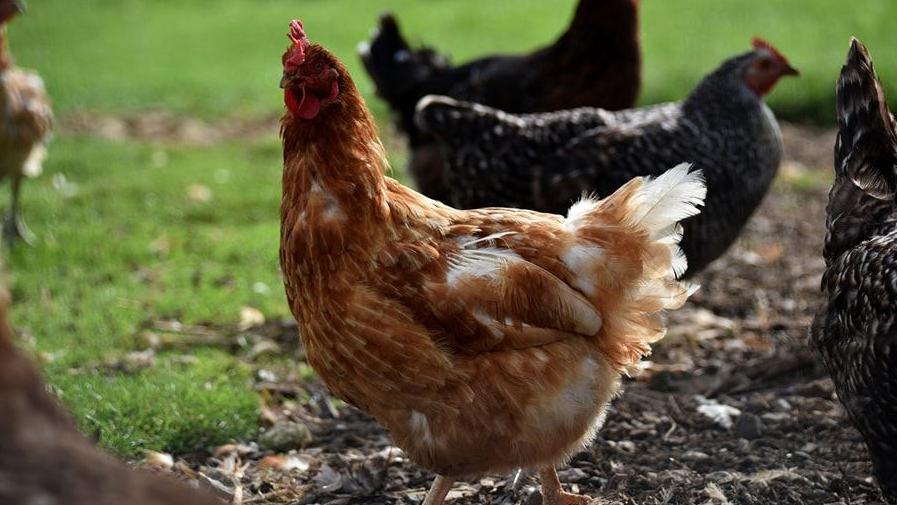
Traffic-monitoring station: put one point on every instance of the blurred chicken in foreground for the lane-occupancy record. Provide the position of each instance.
(596, 62)
(25, 122)
(45, 460)
(485, 340)
(856, 330)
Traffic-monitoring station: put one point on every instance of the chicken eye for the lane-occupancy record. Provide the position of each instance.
(318, 66)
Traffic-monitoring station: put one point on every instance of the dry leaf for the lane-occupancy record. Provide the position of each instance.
(720, 414)
(250, 317)
(770, 253)
(161, 245)
(157, 460)
(199, 193)
(66, 188)
(225, 450)
(286, 463)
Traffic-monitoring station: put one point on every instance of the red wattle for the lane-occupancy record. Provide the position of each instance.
(289, 98)
(309, 106)
(306, 107)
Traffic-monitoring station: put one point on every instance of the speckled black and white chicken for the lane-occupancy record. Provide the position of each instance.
(855, 332)
(546, 161)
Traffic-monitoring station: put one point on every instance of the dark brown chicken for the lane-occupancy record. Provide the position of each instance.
(485, 340)
(855, 332)
(45, 460)
(596, 62)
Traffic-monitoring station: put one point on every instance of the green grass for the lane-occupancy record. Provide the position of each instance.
(172, 407)
(130, 246)
(221, 57)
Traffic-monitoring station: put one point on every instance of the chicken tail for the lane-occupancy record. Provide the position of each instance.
(660, 204)
(865, 156)
(866, 149)
(398, 71)
(448, 120)
(638, 259)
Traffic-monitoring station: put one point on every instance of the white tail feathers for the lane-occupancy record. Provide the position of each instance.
(673, 196)
(661, 203)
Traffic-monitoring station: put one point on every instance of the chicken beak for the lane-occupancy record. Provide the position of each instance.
(19, 5)
(291, 79)
(287, 81)
(789, 70)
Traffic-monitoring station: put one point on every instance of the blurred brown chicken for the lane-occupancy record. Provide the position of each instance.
(45, 460)
(25, 122)
(485, 340)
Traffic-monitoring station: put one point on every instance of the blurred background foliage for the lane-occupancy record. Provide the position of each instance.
(220, 57)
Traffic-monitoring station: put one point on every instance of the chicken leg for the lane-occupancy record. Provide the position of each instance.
(553, 494)
(440, 488)
(14, 226)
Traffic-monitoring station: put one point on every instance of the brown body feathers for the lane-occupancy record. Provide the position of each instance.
(487, 339)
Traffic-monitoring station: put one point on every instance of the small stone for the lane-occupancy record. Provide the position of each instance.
(809, 447)
(626, 446)
(597, 482)
(534, 499)
(285, 436)
(573, 475)
(748, 426)
(694, 456)
(776, 417)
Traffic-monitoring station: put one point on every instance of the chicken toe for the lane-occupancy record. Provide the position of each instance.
(14, 228)
(553, 494)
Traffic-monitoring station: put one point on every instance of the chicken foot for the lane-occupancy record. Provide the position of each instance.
(14, 226)
(553, 494)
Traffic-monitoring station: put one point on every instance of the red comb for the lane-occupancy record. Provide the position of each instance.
(300, 44)
(297, 33)
(759, 43)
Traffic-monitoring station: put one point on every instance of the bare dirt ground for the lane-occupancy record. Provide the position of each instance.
(732, 407)
(165, 126)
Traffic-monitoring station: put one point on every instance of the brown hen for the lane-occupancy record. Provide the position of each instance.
(25, 122)
(485, 340)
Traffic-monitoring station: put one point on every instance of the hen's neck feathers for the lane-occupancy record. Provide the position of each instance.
(337, 153)
(723, 88)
